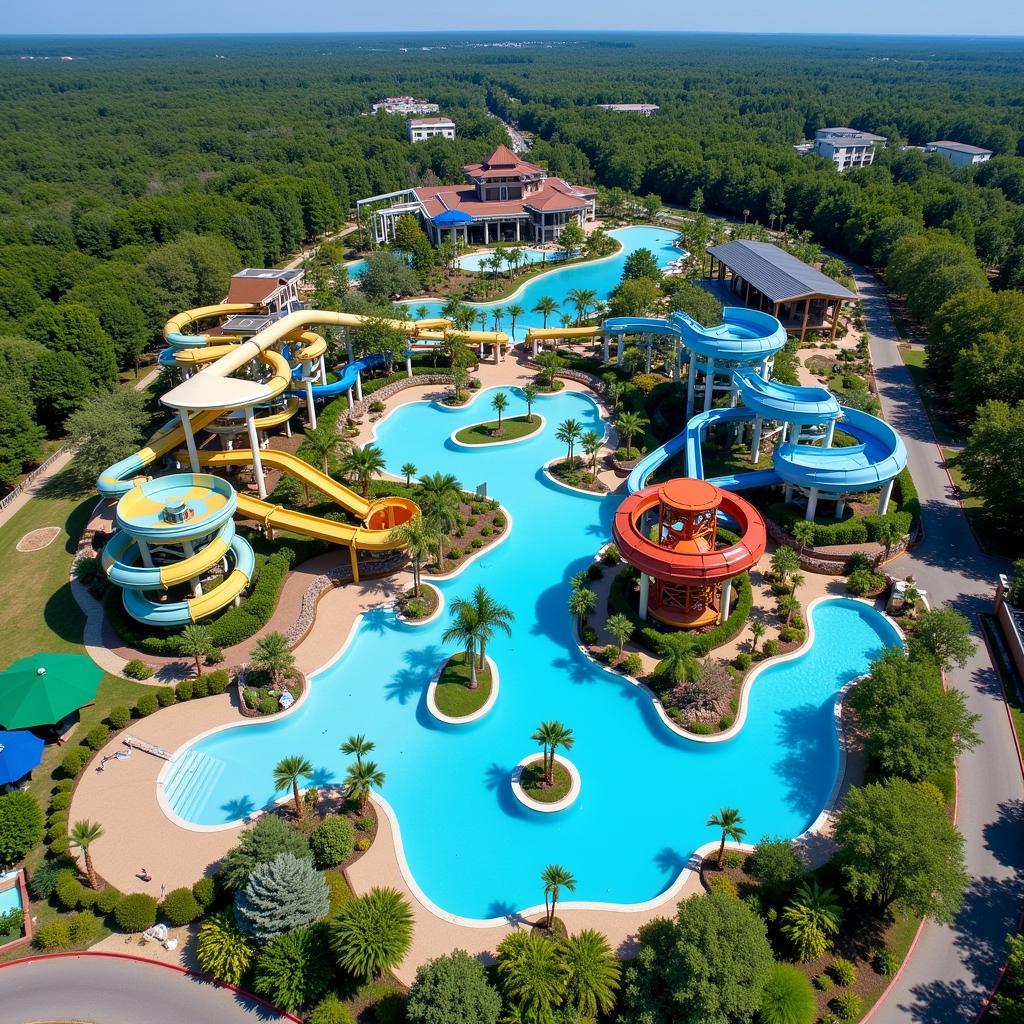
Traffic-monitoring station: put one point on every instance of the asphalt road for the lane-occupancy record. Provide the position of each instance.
(118, 991)
(954, 968)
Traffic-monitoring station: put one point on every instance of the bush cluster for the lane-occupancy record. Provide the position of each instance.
(135, 913)
(857, 530)
(332, 841)
(138, 669)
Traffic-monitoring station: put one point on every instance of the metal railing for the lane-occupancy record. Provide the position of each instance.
(33, 476)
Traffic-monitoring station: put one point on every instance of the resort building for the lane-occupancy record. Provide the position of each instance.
(421, 128)
(275, 290)
(404, 105)
(771, 279)
(846, 147)
(631, 108)
(507, 200)
(959, 154)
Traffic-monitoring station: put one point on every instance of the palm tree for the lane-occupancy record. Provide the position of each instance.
(532, 977)
(593, 970)
(621, 627)
(796, 580)
(420, 540)
(83, 834)
(195, 642)
(583, 299)
(811, 919)
(409, 471)
(784, 563)
(363, 464)
(465, 630)
(555, 878)
(510, 257)
(757, 630)
(287, 773)
(803, 532)
(494, 262)
(591, 444)
(569, 432)
(551, 735)
(361, 779)
(489, 616)
(788, 606)
(545, 306)
(629, 424)
(530, 393)
(614, 393)
(499, 403)
(678, 662)
(272, 654)
(728, 820)
(321, 443)
(482, 320)
(440, 496)
(582, 603)
(359, 746)
(514, 311)
(422, 312)
(496, 316)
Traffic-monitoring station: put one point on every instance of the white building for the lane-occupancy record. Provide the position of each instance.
(420, 128)
(959, 154)
(404, 105)
(631, 108)
(846, 147)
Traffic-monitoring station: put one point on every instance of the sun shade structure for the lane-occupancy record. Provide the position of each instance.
(450, 217)
(20, 752)
(774, 280)
(45, 688)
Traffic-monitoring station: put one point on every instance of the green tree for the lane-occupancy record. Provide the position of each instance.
(641, 263)
(372, 933)
(552, 735)
(452, 989)
(21, 825)
(281, 895)
(788, 997)
(728, 819)
(532, 976)
(60, 385)
(224, 952)
(499, 403)
(898, 845)
(629, 424)
(409, 470)
(20, 440)
(83, 834)
(271, 654)
(295, 970)
(363, 464)
(634, 297)
(490, 616)
(387, 277)
(569, 432)
(287, 773)
(545, 306)
(582, 604)
(196, 642)
(678, 663)
(550, 363)
(421, 541)
(776, 864)
(785, 562)
(591, 443)
(555, 879)
(621, 627)
(993, 460)
(944, 634)
(515, 311)
(358, 746)
(105, 428)
(582, 300)
(757, 630)
(811, 920)
(686, 297)
(465, 630)
(571, 238)
(360, 781)
(803, 532)
(530, 393)
(270, 836)
(440, 497)
(74, 328)
(321, 444)
(592, 973)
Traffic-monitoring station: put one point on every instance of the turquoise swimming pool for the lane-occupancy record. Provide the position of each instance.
(471, 848)
(10, 898)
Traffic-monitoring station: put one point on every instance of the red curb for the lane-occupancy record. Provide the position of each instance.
(156, 963)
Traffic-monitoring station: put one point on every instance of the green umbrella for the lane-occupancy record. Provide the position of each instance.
(45, 688)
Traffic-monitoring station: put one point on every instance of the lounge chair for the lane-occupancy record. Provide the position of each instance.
(170, 945)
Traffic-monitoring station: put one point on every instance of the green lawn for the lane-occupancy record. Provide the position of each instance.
(945, 429)
(512, 428)
(533, 776)
(987, 532)
(453, 696)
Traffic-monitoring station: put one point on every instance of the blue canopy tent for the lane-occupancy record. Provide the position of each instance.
(20, 752)
(452, 219)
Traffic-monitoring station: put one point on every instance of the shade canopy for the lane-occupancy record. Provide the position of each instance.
(451, 217)
(20, 752)
(45, 688)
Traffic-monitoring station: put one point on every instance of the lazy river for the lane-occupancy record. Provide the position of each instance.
(646, 792)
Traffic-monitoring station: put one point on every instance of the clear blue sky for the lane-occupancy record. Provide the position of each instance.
(914, 17)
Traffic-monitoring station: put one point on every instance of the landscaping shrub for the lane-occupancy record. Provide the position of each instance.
(453, 988)
(632, 665)
(588, 635)
(180, 906)
(856, 530)
(262, 842)
(43, 880)
(824, 982)
(338, 892)
(295, 970)
(770, 647)
(57, 829)
(107, 900)
(200, 687)
(365, 824)
(848, 1006)
(68, 890)
(60, 801)
(331, 1010)
(205, 892)
(723, 884)
(699, 728)
(135, 913)
(777, 865)
(788, 997)
(97, 736)
(217, 682)
(185, 689)
(594, 572)
(64, 785)
(214, 656)
(119, 717)
(610, 555)
(21, 825)
(281, 895)
(146, 705)
(83, 927)
(267, 705)
(332, 841)
(362, 845)
(864, 581)
(53, 936)
(742, 661)
(843, 971)
(138, 669)
(166, 696)
(734, 859)
(222, 950)
(74, 760)
(885, 962)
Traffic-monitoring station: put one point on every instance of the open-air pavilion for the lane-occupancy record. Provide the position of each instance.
(771, 279)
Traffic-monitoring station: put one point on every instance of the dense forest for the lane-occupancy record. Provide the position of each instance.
(137, 176)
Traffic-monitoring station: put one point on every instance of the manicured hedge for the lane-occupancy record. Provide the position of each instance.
(856, 530)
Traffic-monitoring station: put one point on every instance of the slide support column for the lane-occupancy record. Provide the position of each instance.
(883, 499)
(723, 610)
(620, 341)
(359, 385)
(190, 440)
(408, 366)
(812, 504)
(194, 583)
(254, 445)
(645, 591)
(755, 444)
(604, 348)
(310, 405)
(691, 384)
(830, 433)
(709, 385)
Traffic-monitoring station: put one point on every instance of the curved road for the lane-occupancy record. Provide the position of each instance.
(117, 990)
(954, 968)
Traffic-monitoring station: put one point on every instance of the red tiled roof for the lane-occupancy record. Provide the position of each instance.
(554, 194)
(502, 163)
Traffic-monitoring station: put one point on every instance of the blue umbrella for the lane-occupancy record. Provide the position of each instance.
(20, 752)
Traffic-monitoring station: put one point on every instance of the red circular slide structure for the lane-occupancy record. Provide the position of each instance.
(686, 568)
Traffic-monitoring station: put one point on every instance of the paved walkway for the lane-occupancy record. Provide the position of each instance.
(954, 968)
(117, 990)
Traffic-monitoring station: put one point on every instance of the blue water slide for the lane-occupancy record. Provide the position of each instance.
(743, 336)
(878, 457)
(121, 556)
(173, 614)
(804, 406)
(641, 325)
(346, 376)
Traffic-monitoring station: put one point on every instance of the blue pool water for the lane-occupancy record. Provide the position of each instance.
(473, 260)
(356, 269)
(602, 276)
(471, 847)
(10, 899)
